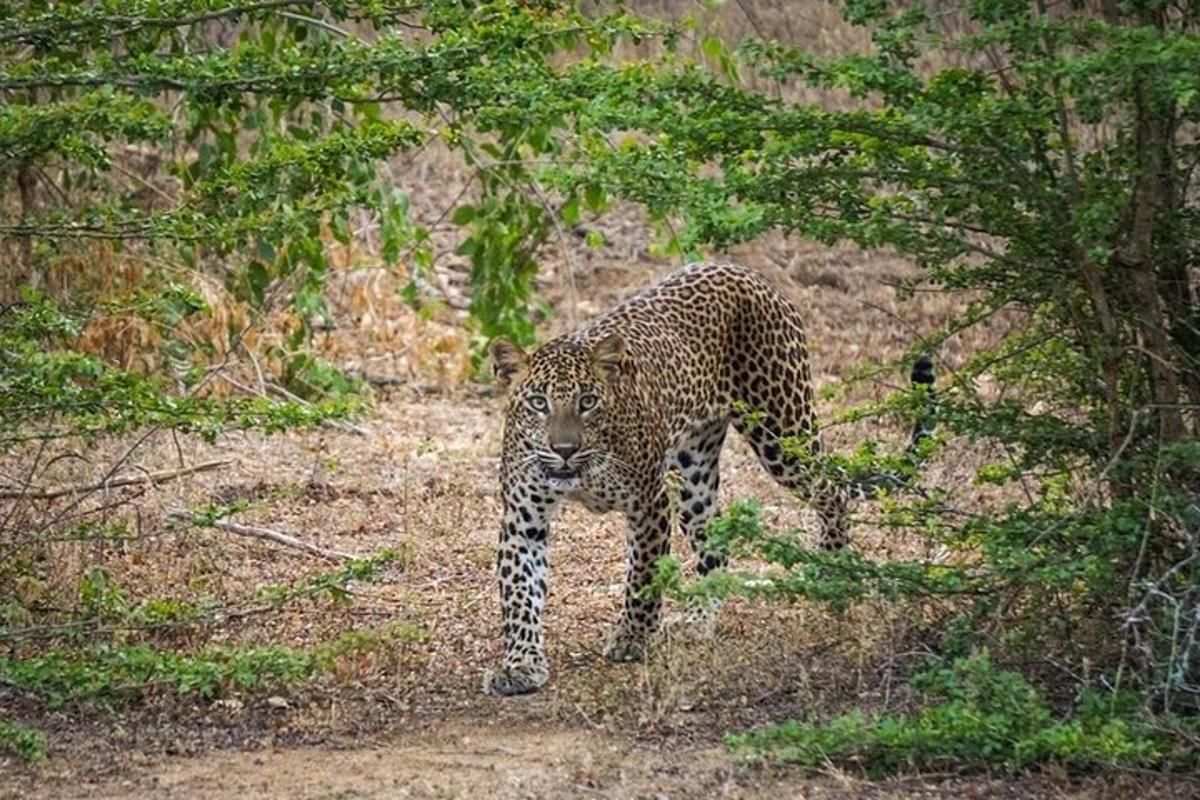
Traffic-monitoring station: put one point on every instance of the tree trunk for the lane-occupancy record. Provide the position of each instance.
(1154, 135)
(26, 182)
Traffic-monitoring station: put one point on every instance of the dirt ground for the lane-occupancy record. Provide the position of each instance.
(452, 760)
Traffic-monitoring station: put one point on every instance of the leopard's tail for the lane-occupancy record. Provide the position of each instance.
(871, 486)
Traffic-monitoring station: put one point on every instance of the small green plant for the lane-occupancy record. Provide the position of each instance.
(99, 597)
(25, 743)
(334, 584)
(107, 675)
(976, 715)
(109, 607)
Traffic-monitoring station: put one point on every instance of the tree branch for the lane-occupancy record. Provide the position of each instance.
(265, 534)
(118, 25)
(129, 480)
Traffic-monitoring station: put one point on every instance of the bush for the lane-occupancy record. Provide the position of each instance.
(25, 743)
(268, 128)
(977, 715)
(106, 675)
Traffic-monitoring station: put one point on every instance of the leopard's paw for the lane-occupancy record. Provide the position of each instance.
(520, 679)
(625, 646)
(697, 620)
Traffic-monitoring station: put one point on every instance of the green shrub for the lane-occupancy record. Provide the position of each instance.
(107, 675)
(975, 715)
(1035, 162)
(25, 743)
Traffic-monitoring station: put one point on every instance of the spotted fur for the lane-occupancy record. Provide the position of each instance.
(603, 414)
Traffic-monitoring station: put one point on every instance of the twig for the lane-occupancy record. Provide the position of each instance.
(265, 534)
(145, 183)
(568, 257)
(262, 382)
(129, 480)
(33, 468)
(336, 423)
(319, 23)
(377, 379)
(78, 499)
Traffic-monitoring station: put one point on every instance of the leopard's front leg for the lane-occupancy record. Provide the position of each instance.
(647, 540)
(521, 564)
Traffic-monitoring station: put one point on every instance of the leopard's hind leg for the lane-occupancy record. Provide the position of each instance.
(772, 398)
(698, 463)
(770, 437)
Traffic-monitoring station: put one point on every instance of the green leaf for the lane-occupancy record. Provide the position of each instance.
(464, 214)
(595, 197)
(258, 279)
(570, 211)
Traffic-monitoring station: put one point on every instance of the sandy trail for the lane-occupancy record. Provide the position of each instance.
(453, 761)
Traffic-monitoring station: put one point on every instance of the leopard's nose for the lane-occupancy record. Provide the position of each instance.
(565, 451)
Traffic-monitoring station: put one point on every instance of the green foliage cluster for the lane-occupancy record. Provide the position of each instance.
(112, 653)
(838, 579)
(107, 608)
(48, 388)
(107, 676)
(976, 715)
(108, 661)
(25, 743)
(111, 674)
(282, 131)
(334, 584)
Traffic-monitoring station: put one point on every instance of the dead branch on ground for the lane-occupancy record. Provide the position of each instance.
(255, 532)
(128, 480)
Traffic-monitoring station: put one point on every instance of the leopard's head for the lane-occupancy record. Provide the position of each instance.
(561, 398)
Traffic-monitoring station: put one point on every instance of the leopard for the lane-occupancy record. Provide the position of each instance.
(603, 415)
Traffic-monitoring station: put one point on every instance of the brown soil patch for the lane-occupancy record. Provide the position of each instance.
(457, 761)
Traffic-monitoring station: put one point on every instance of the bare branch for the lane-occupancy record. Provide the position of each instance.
(255, 532)
(128, 480)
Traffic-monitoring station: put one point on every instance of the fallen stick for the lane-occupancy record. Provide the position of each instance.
(128, 480)
(266, 534)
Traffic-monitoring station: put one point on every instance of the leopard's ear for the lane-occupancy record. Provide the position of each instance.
(608, 355)
(509, 362)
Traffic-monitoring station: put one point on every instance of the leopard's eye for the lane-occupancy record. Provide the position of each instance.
(588, 401)
(539, 404)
